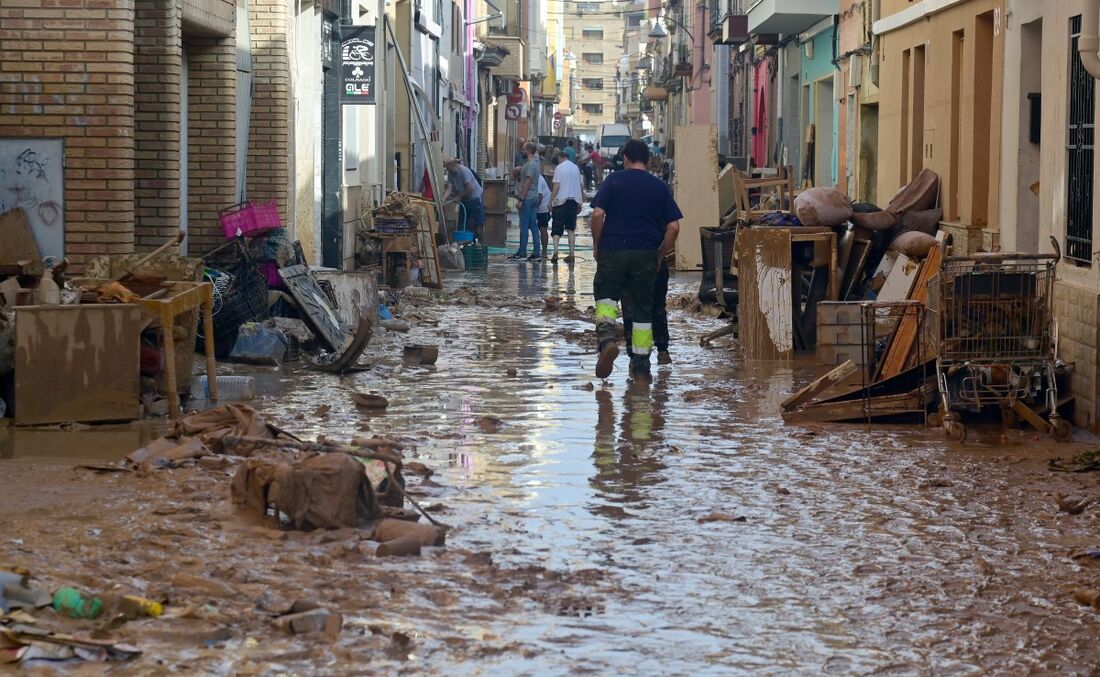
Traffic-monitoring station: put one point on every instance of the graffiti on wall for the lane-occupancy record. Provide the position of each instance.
(32, 177)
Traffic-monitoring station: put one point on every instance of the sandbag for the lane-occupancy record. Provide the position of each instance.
(390, 529)
(822, 207)
(451, 258)
(913, 244)
(329, 491)
(879, 220)
(919, 195)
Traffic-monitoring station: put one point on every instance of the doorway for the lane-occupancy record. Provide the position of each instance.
(824, 143)
(1030, 140)
(868, 153)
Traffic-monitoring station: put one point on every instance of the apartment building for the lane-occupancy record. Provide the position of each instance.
(593, 35)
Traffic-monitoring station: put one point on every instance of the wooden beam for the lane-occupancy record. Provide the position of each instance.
(897, 355)
(820, 385)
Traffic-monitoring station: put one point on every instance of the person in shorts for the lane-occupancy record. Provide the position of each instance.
(565, 203)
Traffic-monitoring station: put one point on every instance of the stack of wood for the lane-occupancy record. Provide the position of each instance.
(897, 375)
(416, 243)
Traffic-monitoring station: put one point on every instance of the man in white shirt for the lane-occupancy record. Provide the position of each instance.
(565, 203)
(544, 211)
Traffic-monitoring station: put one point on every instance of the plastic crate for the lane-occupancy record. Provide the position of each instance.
(249, 219)
(476, 256)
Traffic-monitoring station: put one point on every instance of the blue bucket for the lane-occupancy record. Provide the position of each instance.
(464, 236)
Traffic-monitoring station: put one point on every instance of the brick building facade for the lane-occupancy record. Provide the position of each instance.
(145, 95)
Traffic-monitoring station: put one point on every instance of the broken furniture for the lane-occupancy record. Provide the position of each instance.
(77, 363)
(780, 188)
(343, 339)
(696, 189)
(782, 274)
(165, 302)
(495, 200)
(18, 250)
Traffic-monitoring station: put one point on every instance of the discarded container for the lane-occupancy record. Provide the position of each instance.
(315, 620)
(259, 344)
(69, 602)
(476, 256)
(399, 547)
(233, 388)
(139, 607)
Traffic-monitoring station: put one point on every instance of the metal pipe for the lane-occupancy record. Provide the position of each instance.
(1088, 45)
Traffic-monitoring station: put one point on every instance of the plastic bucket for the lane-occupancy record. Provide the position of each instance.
(464, 236)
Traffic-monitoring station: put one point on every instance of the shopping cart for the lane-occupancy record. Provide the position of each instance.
(996, 344)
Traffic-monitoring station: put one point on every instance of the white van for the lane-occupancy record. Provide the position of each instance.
(612, 138)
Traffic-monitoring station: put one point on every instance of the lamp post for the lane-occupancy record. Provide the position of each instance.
(659, 32)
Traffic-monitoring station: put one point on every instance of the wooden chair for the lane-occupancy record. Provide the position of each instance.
(781, 186)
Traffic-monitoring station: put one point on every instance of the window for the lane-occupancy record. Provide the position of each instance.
(588, 6)
(592, 108)
(592, 83)
(592, 58)
(458, 29)
(634, 20)
(1079, 154)
(592, 33)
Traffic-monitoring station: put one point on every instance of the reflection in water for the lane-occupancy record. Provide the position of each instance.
(630, 462)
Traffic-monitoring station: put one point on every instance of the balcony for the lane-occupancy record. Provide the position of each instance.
(729, 23)
(513, 66)
(789, 17)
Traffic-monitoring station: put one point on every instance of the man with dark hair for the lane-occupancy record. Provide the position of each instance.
(571, 151)
(527, 192)
(635, 222)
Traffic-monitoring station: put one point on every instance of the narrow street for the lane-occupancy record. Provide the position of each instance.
(673, 527)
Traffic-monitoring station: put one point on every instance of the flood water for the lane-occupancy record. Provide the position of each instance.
(848, 549)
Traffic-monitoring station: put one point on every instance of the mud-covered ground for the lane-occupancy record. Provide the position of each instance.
(674, 527)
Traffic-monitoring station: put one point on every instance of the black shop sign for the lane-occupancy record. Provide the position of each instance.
(357, 64)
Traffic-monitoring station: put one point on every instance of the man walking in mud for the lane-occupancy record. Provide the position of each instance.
(635, 222)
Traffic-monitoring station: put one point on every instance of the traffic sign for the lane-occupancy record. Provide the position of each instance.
(513, 111)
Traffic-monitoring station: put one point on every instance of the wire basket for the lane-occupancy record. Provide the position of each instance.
(392, 225)
(249, 218)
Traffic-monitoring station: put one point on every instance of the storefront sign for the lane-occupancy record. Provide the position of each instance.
(357, 64)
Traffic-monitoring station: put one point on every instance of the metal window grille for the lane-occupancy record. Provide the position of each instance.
(1079, 154)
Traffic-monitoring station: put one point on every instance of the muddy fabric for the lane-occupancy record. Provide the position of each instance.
(927, 221)
(329, 491)
(874, 220)
(213, 425)
(822, 207)
(921, 194)
(913, 244)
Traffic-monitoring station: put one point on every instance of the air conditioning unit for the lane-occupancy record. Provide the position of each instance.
(855, 71)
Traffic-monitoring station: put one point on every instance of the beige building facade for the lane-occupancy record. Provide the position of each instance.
(941, 72)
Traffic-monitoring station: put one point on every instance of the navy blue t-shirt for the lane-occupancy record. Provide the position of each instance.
(639, 207)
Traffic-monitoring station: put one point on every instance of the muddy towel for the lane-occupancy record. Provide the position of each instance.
(330, 491)
(211, 426)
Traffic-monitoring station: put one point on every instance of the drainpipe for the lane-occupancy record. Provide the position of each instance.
(1088, 45)
(872, 71)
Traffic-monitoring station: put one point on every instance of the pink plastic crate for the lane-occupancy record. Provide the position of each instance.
(250, 218)
(270, 270)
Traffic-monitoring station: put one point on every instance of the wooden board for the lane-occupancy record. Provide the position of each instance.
(897, 354)
(765, 313)
(859, 410)
(354, 291)
(77, 363)
(696, 190)
(317, 311)
(17, 245)
(820, 385)
(424, 230)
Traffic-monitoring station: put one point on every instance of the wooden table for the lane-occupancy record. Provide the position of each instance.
(165, 302)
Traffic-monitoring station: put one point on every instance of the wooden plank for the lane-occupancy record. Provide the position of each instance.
(696, 190)
(424, 229)
(897, 354)
(820, 385)
(316, 309)
(765, 313)
(856, 410)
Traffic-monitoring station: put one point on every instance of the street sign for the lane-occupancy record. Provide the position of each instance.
(357, 64)
(517, 95)
(513, 111)
(558, 115)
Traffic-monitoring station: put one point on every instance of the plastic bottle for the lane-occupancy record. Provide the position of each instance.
(49, 294)
(139, 607)
(69, 602)
(230, 388)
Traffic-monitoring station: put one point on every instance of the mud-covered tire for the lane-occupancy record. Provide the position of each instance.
(955, 431)
(1060, 429)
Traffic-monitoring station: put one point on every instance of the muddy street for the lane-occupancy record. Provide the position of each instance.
(672, 527)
